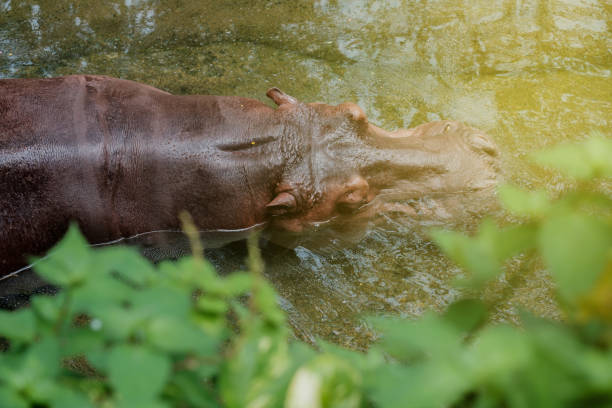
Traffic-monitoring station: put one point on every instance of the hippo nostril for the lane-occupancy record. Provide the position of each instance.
(483, 143)
(447, 127)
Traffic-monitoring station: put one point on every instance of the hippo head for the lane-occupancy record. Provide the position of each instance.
(341, 169)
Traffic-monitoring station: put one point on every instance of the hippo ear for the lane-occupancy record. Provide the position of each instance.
(279, 97)
(283, 203)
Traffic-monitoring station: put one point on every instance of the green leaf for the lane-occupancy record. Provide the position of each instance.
(19, 325)
(597, 367)
(557, 367)
(425, 385)
(238, 283)
(47, 307)
(359, 361)
(137, 374)
(179, 335)
(211, 305)
(524, 203)
(191, 389)
(10, 365)
(394, 385)
(466, 314)
(484, 253)
(117, 323)
(128, 263)
(478, 254)
(43, 358)
(69, 398)
(498, 351)
(100, 291)
(258, 370)
(82, 340)
(576, 248)
(33, 373)
(515, 239)
(585, 160)
(69, 262)
(141, 404)
(11, 398)
(408, 340)
(42, 390)
(166, 300)
(195, 273)
(98, 358)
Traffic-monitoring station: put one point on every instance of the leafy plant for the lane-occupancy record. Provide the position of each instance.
(151, 335)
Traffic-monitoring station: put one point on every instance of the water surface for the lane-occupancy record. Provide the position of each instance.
(530, 73)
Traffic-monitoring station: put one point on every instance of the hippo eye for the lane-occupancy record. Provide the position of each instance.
(245, 145)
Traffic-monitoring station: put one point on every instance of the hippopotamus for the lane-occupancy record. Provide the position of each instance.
(122, 158)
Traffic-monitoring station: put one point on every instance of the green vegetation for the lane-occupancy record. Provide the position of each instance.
(125, 333)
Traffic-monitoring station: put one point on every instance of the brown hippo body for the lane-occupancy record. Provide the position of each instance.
(123, 158)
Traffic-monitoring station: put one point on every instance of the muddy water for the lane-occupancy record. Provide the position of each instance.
(530, 73)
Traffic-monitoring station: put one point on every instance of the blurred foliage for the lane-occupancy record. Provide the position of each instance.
(125, 333)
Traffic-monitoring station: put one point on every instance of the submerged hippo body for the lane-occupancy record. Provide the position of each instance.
(123, 158)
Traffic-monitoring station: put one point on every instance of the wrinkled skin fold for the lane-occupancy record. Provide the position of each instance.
(123, 158)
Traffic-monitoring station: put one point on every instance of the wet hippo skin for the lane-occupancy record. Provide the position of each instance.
(122, 158)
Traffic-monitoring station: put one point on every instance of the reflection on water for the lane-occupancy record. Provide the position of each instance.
(530, 73)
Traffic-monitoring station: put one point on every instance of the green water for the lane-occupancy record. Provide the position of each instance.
(530, 73)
